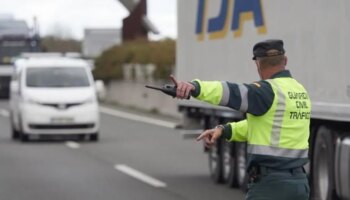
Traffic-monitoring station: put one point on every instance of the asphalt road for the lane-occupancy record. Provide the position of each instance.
(133, 160)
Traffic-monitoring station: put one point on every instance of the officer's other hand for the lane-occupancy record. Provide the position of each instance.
(183, 89)
(210, 136)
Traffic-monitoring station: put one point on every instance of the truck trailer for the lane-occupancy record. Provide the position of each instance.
(15, 38)
(215, 41)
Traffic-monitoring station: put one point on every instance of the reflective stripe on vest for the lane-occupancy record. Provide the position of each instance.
(275, 151)
(278, 119)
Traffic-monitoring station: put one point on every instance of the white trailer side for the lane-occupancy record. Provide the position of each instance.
(215, 40)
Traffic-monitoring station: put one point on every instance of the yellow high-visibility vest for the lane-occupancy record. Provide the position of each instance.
(283, 131)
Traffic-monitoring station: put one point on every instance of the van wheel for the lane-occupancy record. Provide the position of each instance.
(94, 137)
(323, 186)
(215, 162)
(15, 134)
(24, 137)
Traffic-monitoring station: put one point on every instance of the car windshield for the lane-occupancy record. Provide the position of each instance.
(57, 77)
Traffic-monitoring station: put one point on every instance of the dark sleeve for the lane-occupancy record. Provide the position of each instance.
(260, 97)
(197, 89)
(227, 132)
(255, 98)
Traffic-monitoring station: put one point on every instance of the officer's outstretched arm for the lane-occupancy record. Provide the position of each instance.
(183, 89)
(210, 136)
(222, 93)
(255, 98)
(236, 131)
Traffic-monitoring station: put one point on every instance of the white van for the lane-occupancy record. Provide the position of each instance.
(53, 95)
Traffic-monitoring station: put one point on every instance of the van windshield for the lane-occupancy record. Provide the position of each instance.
(57, 77)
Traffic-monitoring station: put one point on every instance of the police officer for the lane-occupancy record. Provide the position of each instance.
(276, 128)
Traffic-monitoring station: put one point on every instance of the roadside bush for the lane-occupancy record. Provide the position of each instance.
(160, 53)
(57, 44)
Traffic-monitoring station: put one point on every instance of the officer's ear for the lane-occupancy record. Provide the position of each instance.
(285, 60)
(257, 63)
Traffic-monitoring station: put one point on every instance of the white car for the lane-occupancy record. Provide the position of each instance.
(50, 96)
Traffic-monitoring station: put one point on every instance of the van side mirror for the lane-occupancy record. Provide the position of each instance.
(100, 89)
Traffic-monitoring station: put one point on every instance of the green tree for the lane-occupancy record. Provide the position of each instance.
(160, 53)
(57, 44)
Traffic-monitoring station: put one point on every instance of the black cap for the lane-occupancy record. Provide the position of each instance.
(260, 49)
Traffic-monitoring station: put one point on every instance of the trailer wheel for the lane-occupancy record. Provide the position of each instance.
(228, 163)
(215, 162)
(323, 165)
(237, 176)
(241, 164)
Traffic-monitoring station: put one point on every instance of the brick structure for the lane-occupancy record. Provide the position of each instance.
(133, 26)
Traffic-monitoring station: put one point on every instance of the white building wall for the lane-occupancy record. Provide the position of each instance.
(98, 40)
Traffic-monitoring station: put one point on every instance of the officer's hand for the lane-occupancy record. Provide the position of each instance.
(210, 136)
(183, 88)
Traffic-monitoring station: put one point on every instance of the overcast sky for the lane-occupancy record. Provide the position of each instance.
(71, 17)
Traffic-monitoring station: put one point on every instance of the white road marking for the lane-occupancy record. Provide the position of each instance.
(138, 118)
(140, 176)
(72, 145)
(4, 113)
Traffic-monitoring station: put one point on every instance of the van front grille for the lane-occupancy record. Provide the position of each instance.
(61, 126)
(61, 106)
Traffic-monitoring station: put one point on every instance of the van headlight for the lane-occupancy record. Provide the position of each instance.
(30, 101)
